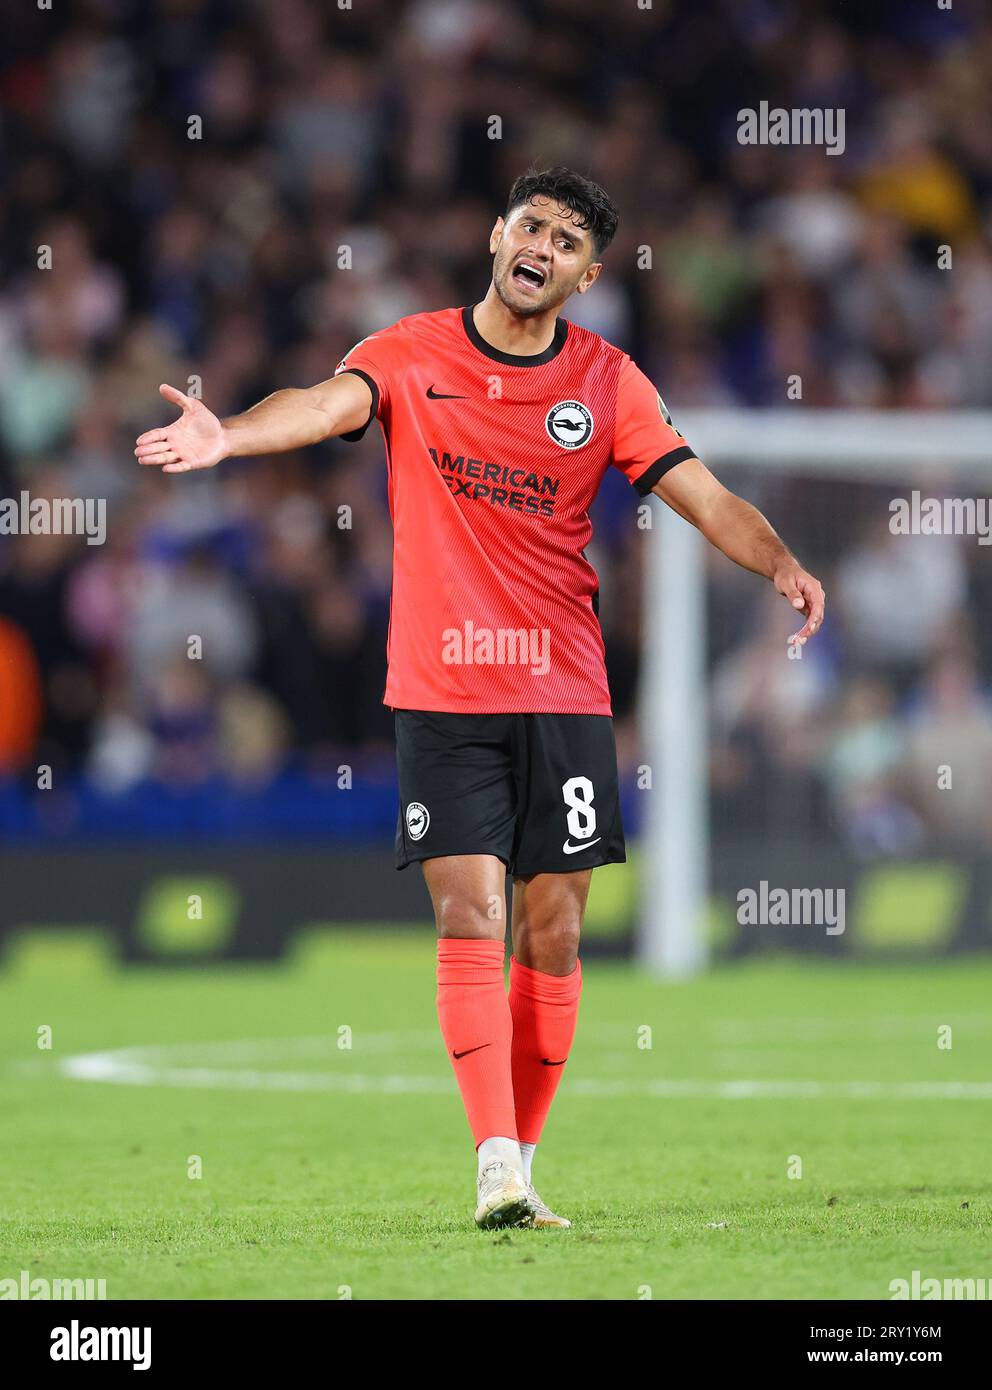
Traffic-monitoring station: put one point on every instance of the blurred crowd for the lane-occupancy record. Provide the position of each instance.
(196, 166)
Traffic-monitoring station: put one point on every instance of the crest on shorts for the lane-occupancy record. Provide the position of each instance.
(417, 820)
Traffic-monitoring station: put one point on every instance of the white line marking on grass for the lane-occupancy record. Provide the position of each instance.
(156, 1066)
(813, 1030)
(786, 1090)
(104, 1066)
(270, 1049)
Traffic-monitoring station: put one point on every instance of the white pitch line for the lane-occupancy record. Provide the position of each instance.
(138, 1066)
(104, 1066)
(786, 1090)
(271, 1049)
(882, 1028)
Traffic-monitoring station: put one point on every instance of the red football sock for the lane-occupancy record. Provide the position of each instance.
(477, 1029)
(545, 1009)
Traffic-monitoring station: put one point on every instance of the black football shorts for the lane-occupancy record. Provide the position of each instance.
(539, 791)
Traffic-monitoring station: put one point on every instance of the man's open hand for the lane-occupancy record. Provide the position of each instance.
(805, 594)
(195, 440)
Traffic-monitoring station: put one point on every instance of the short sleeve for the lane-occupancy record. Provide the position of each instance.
(645, 442)
(374, 359)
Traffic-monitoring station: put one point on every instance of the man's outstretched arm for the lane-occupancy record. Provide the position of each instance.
(743, 534)
(285, 420)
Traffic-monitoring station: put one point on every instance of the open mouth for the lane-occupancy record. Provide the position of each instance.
(529, 277)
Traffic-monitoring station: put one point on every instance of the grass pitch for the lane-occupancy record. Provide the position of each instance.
(317, 1103)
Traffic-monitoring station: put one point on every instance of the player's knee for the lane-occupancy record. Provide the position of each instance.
(550, 935)
(465, 920)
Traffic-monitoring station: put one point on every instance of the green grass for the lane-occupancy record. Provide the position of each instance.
(308, 1193)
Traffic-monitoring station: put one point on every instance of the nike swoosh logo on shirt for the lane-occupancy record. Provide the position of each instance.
(546, 1063)
(574, 849)
(471, 1049)
(433, 395)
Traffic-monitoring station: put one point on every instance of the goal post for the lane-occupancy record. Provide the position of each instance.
(908, 448)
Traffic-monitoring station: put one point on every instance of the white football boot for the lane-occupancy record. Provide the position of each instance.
(541, 1214)
(503, 1197)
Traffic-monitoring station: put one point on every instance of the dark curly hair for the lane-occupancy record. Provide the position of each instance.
(597, 211)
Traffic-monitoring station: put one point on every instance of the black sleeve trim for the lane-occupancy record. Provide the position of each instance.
(355, 435)
(660, 467)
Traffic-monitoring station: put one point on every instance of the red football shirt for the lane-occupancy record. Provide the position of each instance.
(494, 460)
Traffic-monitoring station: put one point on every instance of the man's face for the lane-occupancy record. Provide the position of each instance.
(542, 257)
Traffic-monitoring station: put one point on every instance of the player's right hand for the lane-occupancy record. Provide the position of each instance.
(195, 440)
